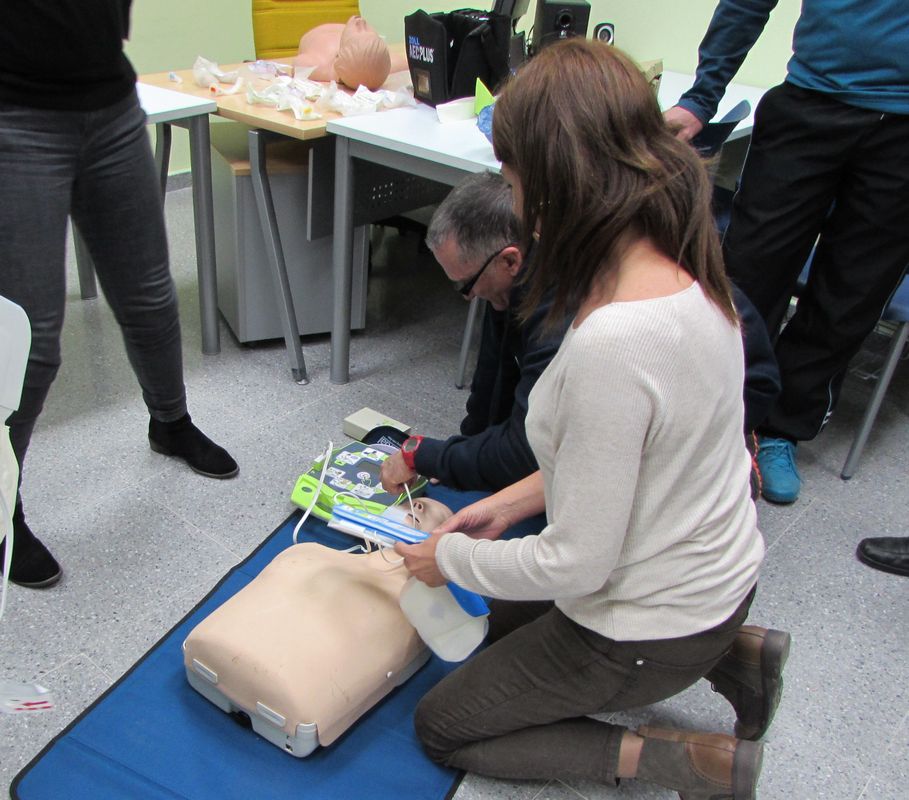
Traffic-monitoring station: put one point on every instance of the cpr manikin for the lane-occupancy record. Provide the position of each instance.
(353, 54)
(312, 643)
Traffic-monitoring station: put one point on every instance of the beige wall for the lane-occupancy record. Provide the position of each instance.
(167, 34)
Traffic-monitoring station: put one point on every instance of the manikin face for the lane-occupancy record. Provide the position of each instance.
(428, 514)
(498, 276)
(363, 56)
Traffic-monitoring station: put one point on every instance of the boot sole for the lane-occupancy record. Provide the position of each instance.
(157, 448)
(879, 565)
(746, 768)
(47, 582)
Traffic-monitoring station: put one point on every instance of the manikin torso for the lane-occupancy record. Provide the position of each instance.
(317, 635)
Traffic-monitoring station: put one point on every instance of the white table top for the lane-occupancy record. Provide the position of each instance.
(418, 132)
(164, 105)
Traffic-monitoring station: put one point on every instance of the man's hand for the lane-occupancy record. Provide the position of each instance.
(683, 123)
(395, 473)
(420, 560)
(481, 520)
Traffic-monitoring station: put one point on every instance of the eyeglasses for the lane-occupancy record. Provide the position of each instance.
(465, 287)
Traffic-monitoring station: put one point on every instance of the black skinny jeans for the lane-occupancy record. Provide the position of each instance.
(97, 167)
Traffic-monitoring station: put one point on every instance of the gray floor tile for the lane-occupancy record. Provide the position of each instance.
(879, 790)
(479, 787)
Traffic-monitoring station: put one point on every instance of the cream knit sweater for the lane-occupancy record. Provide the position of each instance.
(637, 427)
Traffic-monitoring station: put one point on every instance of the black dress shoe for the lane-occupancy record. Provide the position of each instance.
(182, 439)
(888, 554)
(32, 565)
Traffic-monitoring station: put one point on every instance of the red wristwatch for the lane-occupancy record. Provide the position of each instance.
(409, 450)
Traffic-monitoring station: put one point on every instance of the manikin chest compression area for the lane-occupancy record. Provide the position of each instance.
(319, 637)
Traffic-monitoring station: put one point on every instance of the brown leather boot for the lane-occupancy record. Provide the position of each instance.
(750, 676)
(700, 766)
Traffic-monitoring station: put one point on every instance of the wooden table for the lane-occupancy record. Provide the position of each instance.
(267, 122)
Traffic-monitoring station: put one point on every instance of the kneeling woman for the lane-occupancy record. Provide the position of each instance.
(646, 568)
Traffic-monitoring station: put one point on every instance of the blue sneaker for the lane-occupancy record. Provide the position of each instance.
(780, 479)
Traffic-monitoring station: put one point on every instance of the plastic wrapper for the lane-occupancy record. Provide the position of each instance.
(484, 121)
(207, 73)
(283, 95)
(362, 101)
(269, 69)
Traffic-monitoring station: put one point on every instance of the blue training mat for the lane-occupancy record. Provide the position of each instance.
(152, 737)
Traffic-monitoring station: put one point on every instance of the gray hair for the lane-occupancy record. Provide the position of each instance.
(478, 213)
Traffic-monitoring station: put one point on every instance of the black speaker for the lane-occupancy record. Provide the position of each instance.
(557, 20)
(604, 32)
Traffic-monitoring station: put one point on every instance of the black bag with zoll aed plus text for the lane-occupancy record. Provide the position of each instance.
(448, 51)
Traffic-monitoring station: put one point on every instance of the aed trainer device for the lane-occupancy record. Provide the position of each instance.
(350, 477)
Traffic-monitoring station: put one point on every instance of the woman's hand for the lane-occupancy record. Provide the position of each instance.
(420, 560)
(481, 520)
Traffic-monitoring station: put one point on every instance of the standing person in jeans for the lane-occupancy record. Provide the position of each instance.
(828, 159)
(639, 582)
(73, 142)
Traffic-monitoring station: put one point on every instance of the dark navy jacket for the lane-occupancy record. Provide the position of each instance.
(492, 451)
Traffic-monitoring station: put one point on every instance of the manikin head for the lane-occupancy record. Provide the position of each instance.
(363, 58)
(352, 54)
(428, 514)
(474, 235)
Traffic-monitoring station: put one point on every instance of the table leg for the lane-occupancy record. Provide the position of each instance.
(342, 262)
(162, 154)
(275, 254)
(203, 215)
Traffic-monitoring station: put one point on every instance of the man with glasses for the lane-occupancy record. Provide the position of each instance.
(473, 235)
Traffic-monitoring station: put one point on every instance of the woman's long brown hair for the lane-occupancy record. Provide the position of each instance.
(581, 129)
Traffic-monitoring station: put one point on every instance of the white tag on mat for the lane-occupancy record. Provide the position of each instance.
(18, 698)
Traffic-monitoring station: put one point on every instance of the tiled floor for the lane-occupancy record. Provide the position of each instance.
(142, 539)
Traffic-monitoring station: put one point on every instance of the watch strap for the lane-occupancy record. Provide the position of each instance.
(409, 450)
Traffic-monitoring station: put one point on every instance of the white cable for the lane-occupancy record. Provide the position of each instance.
(315, 498)
(410, 500)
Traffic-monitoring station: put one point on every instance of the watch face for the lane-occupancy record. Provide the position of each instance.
(410, 445)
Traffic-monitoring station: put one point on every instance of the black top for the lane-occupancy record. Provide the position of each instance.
(492, 451)
(64, 54)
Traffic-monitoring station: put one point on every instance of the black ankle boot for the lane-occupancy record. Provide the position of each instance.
(182, 439)
(32, 564)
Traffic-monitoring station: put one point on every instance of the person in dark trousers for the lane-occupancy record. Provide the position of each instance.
(828, 162)
(73, 144)
(474, 236)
